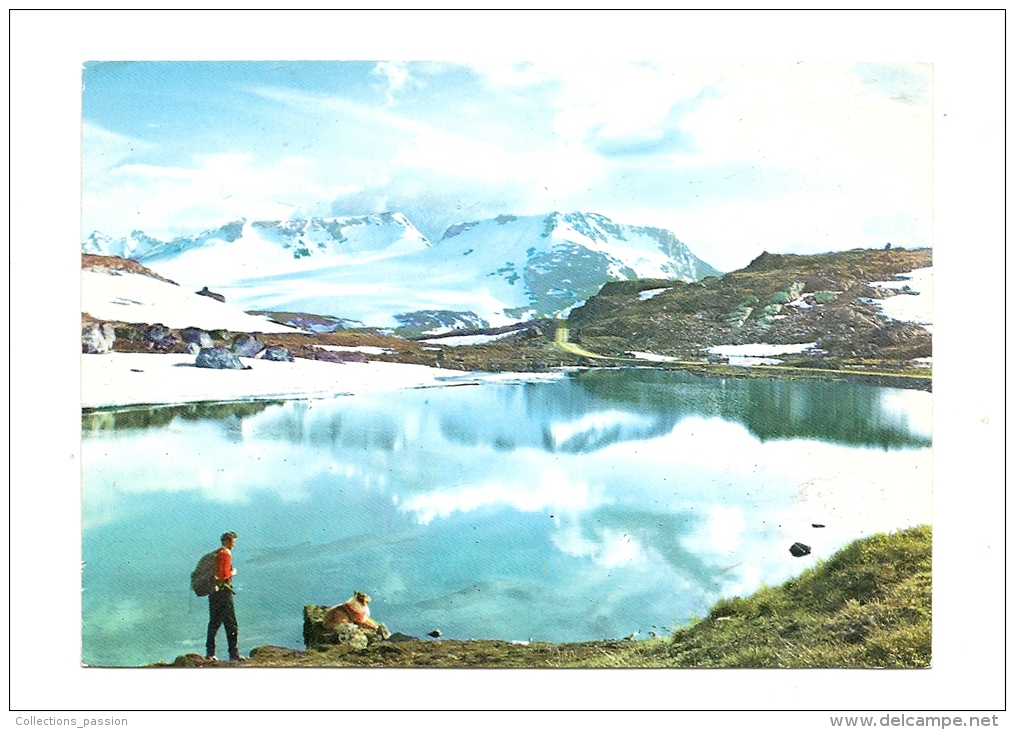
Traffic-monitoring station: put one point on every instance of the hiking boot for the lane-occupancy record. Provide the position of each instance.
(237, 658)
(211, 658)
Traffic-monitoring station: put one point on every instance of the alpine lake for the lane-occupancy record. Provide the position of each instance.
(588, 505)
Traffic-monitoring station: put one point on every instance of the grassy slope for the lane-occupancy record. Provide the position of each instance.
(867, 606)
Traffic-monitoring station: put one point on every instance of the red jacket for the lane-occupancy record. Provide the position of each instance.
(224, 566)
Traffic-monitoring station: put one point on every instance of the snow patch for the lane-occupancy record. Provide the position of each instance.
(915, 303)
(365, 349)
(140, 299)
(760, 349)
(124, 379)
(741, 361)
(649, 293)
(652, 357)
(468, 339)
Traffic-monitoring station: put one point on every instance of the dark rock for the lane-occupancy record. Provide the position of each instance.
(217, 297)
(158, 335)
(97, 339)
(278, 353)
(315, 635)
(196, 336)
(219, 358)
(269, 652)
(798, 550)
(191, 660)
(436, 633)
(399, 636)
(816, 524)
(246, 345)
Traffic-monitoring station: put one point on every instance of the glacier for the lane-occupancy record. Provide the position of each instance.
(380, 270)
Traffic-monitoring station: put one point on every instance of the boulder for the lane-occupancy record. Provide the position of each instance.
(192, 660)
(97, 339)
(159, 336)
(217, 297)
(196, 336)
(399, 636)
(278, 354)
(798, 550)
(316, 635)
(246, 345)
(219, 358)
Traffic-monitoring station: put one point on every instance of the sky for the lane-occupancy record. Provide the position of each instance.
(733, 158)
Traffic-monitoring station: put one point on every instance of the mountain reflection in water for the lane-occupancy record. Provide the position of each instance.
(588, 507)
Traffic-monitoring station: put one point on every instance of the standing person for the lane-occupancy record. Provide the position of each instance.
(221, 611)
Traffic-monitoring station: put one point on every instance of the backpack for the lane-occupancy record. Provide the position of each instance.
(202, 580)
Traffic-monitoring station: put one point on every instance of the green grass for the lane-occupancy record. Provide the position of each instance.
(867, 606)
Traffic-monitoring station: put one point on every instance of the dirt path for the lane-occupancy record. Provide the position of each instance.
(561, 342)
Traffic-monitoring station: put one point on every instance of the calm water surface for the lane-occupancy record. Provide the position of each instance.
(590, 507)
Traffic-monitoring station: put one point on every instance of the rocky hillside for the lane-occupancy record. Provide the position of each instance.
(832, 300)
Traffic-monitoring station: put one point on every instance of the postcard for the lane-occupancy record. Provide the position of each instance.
(538, 363)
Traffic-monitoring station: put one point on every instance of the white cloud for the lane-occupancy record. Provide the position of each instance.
(823, 121)
(729, 233)
(725, 525)
(397, 75)
(837, 159)
(555, 489)
(173, 200)
(103, 150)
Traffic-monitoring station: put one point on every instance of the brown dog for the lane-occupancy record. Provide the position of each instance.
(353, 611)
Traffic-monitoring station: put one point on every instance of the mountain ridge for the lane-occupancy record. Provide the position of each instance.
(382, 271)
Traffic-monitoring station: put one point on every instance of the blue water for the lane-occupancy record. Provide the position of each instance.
(591, 507)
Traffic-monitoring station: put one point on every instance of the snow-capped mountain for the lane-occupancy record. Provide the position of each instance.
(268, 247)
(381, 271)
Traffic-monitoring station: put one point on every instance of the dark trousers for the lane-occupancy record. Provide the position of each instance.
(221, 612)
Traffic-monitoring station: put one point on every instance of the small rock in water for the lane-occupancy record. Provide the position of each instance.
(798, 549)
(436, 633)
(399, 636)
(816, 524)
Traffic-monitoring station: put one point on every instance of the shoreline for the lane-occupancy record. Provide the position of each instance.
(123, 380)
(868, 605)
